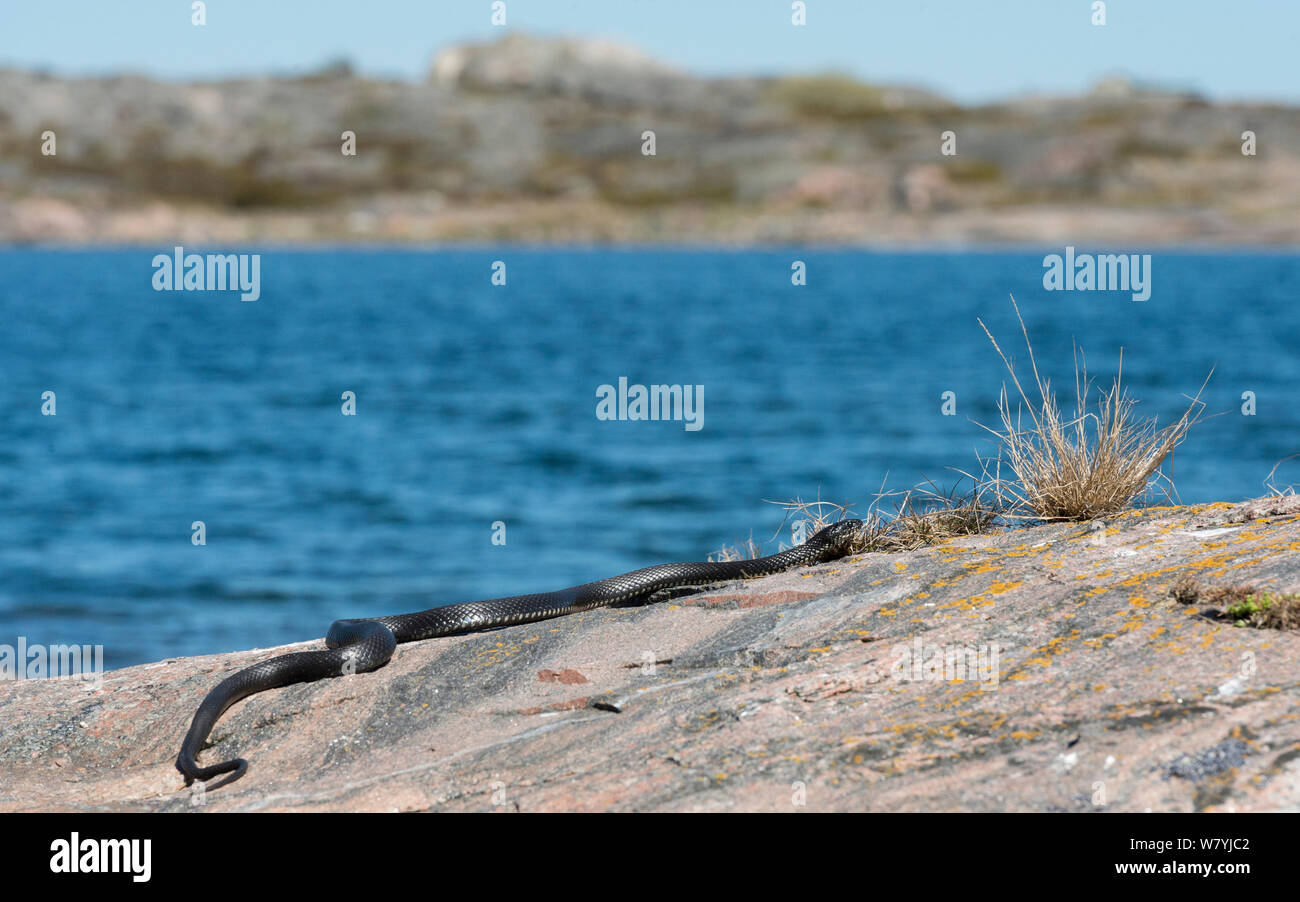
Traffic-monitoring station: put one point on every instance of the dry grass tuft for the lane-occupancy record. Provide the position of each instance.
(1083, 466)
(926, 516)
(1242, 605)
(919, 517)
(742, 551)
(1273, 487)
(1186, 590)
(1090, 464)
(946, 515)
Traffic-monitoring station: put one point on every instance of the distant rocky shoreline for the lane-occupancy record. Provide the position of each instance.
(545, 141)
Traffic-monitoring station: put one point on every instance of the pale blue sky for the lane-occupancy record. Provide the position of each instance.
(967, 49)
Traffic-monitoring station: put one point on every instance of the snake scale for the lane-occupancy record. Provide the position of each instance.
(357, 646)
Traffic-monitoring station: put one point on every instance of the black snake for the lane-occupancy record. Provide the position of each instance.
(357, 646)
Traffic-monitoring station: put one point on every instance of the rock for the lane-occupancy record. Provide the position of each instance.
(925, 187)
(548, 65)
(1035, 669)
(44, 219)
(540, 140)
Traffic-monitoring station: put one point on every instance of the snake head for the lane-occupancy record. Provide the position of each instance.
(839, 536)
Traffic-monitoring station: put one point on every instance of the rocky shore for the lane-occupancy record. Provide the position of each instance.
(1039, 669)
(545, 140)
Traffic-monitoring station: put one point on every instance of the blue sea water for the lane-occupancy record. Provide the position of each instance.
(477, 403)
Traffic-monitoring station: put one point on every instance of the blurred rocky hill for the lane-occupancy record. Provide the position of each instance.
(541, 140)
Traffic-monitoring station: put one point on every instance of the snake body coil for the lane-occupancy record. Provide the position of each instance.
(357, 646)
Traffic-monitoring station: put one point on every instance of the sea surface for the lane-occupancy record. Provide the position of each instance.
(476, 405)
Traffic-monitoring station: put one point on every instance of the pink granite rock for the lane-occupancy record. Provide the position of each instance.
(1036, 669)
